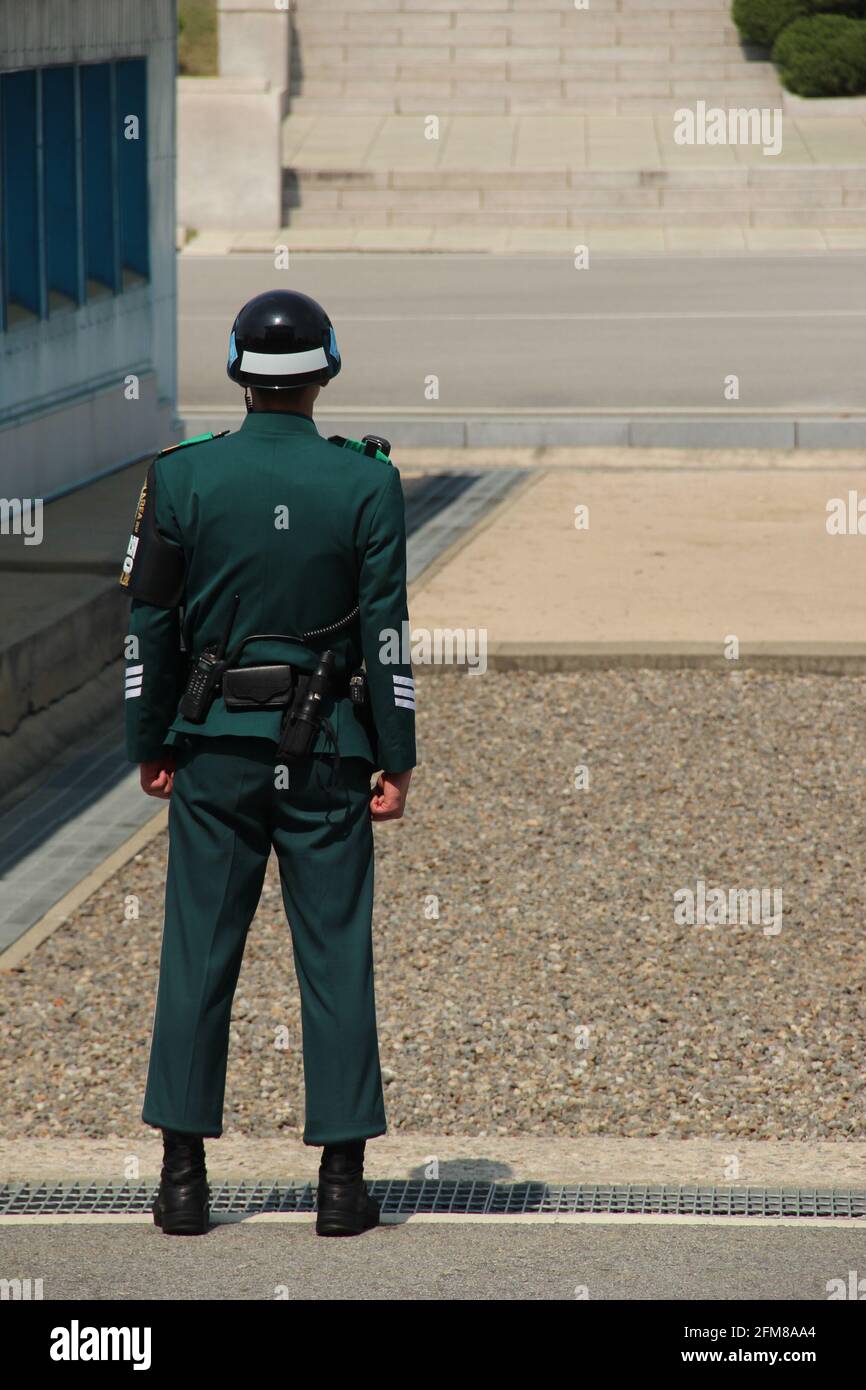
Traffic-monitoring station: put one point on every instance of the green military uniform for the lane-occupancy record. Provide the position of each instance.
(302, 531)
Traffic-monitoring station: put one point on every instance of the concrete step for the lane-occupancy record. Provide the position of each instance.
(576, 28)
(549, 19)
(319, 50)
(763, 181)
(637, 189)
(310, 59)
(395, 201)
(563, 82)
(722, 215)
(347, 79)
(740, 196)
(470, 9)
(805, 178)
(466, 14)
(620, 57)
(538, 25)
(602, 99)
(65, 616)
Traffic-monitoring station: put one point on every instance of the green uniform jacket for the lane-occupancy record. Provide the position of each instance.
(302, 530)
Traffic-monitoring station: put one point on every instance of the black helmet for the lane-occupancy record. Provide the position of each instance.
(281, 340)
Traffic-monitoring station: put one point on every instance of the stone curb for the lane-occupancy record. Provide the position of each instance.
(525, 242)
(701, 430)
(792, 658)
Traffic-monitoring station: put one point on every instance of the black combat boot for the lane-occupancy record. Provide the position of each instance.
(344, 1207)
(182, 1206)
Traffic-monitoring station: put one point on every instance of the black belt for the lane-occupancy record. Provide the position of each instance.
(278, 686)
(272, 686)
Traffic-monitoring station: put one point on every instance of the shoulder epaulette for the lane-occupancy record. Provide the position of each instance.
(196, 439)
(360, 446)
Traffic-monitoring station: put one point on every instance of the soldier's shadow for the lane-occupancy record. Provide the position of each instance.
(450, 1187)
(462, 1170)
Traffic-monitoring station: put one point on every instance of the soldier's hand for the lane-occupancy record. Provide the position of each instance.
(388, 801)
(157, 777)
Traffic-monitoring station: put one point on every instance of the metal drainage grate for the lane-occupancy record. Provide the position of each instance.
(402, 1198)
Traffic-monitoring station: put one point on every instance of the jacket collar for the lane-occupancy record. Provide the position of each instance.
(278, 422)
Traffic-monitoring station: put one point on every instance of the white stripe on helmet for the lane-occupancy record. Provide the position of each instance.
(283, 363)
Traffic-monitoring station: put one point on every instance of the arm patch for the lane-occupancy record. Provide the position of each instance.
(154, 569)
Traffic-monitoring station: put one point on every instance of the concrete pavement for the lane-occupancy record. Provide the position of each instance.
(520, 1260)
(462, 349)
(679, 558)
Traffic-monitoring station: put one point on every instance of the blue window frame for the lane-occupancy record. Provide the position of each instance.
(131, 124)
(62, 198)
(101, 260)
(74, 214)
(22, 271)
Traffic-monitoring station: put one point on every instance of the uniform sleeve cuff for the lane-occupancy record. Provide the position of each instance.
(398, 762)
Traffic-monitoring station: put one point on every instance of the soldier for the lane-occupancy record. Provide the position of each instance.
(265, 566)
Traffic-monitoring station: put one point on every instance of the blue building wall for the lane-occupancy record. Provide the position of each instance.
(87, 229)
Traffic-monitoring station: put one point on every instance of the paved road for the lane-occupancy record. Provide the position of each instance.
(414, 1261)
(522, 333)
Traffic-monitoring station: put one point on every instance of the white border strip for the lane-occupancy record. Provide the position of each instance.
(283, 363)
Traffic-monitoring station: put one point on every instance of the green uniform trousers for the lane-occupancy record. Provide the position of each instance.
(225, 814)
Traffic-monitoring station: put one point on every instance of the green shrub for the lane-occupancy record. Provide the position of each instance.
(761, 21)
(197, 38)
(823, 55)
(855, 8)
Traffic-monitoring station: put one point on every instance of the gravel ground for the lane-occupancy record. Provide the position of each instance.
(555, 994)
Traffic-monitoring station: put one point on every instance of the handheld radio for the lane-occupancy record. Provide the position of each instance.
(205, 675)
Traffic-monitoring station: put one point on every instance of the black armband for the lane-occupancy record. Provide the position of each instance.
(154, 568)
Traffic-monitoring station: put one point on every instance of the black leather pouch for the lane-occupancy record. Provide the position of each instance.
(258, 687)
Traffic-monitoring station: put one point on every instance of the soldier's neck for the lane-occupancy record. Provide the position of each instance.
(298, 402)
